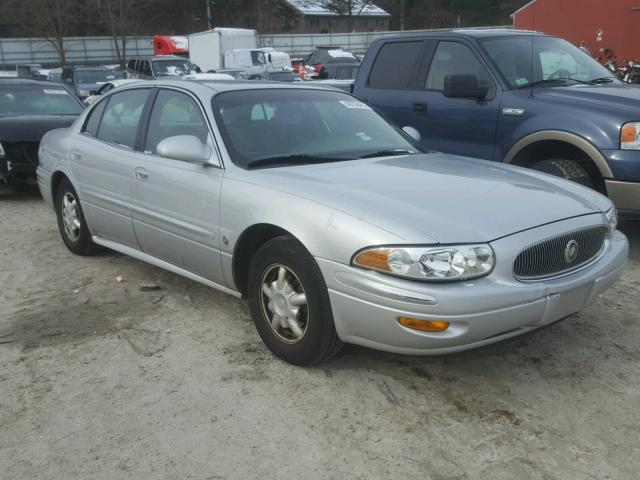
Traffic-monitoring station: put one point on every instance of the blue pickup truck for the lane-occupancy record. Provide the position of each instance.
(511, 96)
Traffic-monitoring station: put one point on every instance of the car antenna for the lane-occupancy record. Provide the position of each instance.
(533, 26)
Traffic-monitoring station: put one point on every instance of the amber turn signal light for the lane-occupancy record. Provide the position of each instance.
(376, 259)
(628, 134)
(423, 325)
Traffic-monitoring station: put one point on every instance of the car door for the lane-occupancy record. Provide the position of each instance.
(101, 160)
(175, 204)
(392, 86)
(461, 126)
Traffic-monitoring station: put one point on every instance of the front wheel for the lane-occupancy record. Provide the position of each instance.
(567, 169)
(290, 304)
(71, 223)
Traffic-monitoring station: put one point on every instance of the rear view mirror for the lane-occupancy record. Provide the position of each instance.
(464, 86)
(413, 133)
(187, 148)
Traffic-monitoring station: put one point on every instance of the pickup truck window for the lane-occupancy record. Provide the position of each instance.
(393, 65)
(453, 58)
(552, 58)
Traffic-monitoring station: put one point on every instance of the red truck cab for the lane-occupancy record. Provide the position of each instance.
(170, 45)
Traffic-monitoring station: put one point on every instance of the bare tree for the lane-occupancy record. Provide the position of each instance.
(51, 19)
(123, 18)
(344, 8)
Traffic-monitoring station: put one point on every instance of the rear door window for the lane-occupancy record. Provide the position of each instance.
(395, 64)
(93, 119)
(120, 120)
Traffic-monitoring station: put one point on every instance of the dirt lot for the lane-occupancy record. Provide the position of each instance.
(99, 380)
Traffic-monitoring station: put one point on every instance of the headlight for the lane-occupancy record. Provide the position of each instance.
(630, 136)
(435, 263)
(612, 216)
(1, 151)
(84, 93)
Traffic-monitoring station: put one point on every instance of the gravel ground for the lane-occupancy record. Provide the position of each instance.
(99, 380)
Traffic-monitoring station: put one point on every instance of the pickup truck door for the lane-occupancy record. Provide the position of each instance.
(392, 85)
(175, 204)
(460, 126)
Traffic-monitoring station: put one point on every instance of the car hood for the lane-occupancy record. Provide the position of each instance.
(31, 128)
(445, 198)
(607, 96)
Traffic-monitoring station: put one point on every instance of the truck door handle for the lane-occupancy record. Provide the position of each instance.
(141, 173)
(419, 107)
(76, 156)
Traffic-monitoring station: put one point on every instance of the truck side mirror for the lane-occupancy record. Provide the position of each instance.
(464, 86)
(269, 58)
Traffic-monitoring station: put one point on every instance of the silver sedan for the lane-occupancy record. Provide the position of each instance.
(335, 225)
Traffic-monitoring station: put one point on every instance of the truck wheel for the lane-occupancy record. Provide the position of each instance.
(290, 304)
(71, 223)
(568, 169)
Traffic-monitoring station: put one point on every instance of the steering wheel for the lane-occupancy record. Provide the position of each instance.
(562, 73)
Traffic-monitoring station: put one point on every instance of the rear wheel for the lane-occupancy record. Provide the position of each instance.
(71, 223)
(568, 169)
(290, 303)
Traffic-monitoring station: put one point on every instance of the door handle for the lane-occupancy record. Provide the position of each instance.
(141, 173)
(76, 156)
(419, 107)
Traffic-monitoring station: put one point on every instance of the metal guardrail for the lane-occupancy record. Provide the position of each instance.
(101, 50)
(81, 50)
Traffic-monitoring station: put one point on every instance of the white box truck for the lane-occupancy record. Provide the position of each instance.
(234, 48)
(208, 49)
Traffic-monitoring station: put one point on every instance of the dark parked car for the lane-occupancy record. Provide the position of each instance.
(84, 80)
(28, 110)
(512, 96)
(333, 63)
(153, 68)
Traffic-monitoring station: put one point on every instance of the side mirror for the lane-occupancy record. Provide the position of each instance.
(269, 58)
(464, 86)
(413, 133)
(187, 148)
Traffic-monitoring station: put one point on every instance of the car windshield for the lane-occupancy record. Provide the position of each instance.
(173, 68)
(553, 61)
(94, 76)
(37, 100)
(270, 127)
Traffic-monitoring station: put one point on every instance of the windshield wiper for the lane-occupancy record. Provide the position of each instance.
(300, 159)
(548, 81)
(388, 153)
(601, 80)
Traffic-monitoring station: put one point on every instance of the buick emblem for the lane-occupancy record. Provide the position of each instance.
(571, 251)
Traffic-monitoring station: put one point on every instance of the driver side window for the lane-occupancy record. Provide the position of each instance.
(453, 58)
(174, 113)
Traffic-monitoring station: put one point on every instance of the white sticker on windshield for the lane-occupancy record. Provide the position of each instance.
(58, 91)
(355, 104)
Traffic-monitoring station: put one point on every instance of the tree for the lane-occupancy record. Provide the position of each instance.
(344, 8)
(51, 19)
(123, 18)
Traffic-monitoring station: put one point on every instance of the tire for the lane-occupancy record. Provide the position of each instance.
(77, 238)
(568, 169)
(308, 335)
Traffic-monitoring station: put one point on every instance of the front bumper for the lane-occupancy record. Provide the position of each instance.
(366, 305)
(624, 195)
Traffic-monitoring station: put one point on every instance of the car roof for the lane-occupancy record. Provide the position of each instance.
(220, 86)
(28, 81)
(465, 32)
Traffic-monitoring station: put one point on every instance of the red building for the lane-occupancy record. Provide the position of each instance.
(601, 24)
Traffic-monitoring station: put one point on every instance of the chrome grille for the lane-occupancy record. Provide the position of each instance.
(559, 255)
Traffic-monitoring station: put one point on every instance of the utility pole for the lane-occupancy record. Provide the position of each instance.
(402, 10)
(209, 2)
